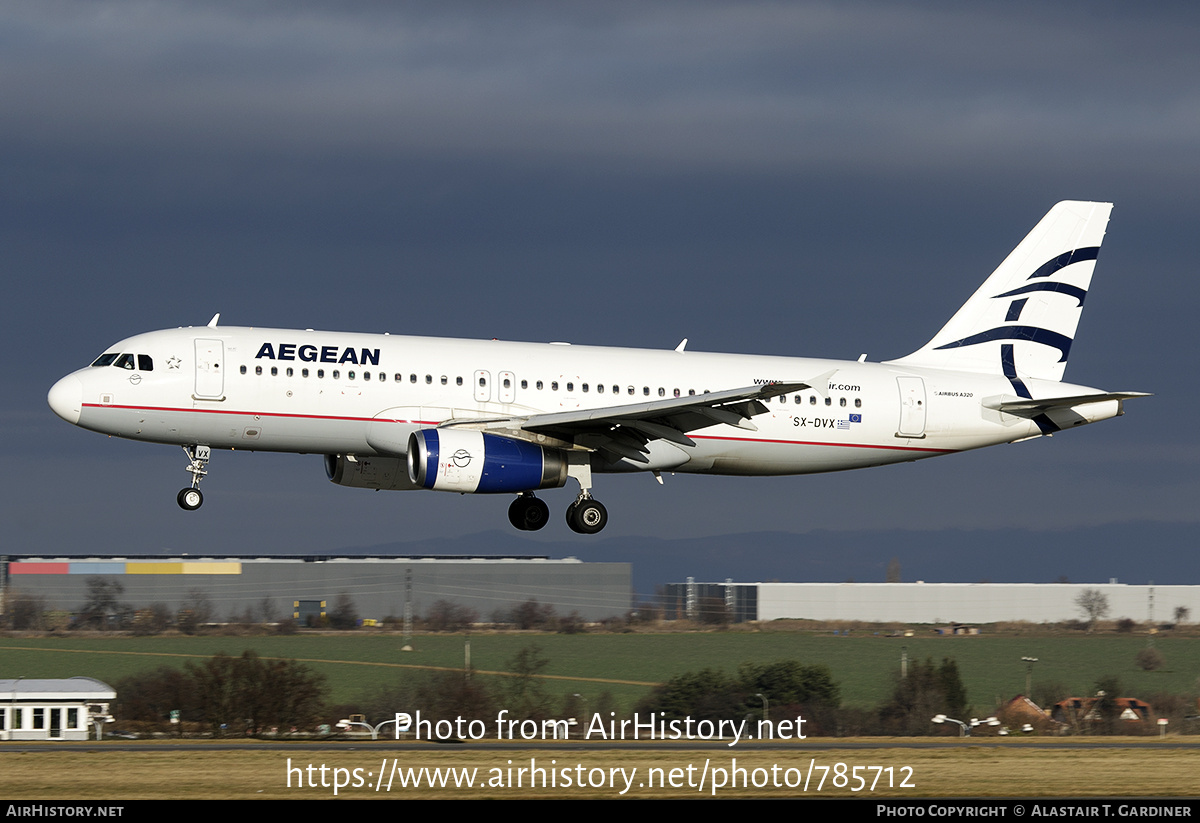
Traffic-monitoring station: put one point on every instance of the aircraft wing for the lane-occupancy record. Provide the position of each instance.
(623, 431)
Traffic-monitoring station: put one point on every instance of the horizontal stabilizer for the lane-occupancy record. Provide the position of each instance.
(1029, 408)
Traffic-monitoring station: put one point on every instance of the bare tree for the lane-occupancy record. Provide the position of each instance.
(1094, 605)
(1149, 660)
(197, 610)
(344, 614)
(445, 616)
(525, 692)
(26, 611)
(1182, 614)
(893, 570)
(103, 608)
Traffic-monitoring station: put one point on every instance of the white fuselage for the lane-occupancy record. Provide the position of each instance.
(470, 416)
(362, 394)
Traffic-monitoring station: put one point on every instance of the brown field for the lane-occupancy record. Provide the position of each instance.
(1123, 767)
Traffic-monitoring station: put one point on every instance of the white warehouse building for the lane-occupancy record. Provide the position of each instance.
(935, 602)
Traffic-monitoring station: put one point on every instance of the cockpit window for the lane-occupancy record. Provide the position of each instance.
(106, 359)
(125, 361)
(145, 362)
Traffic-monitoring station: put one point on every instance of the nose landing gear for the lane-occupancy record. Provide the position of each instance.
(190, 499)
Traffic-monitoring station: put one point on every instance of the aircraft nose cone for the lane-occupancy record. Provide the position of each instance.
(66, 398)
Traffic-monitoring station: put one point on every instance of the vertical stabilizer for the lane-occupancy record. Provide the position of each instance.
(1022, 320)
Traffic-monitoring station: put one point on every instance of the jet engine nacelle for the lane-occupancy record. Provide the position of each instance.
(388, 473)
(465, 461)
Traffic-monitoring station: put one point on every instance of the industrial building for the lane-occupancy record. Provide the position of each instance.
(296, 587)
(928, 602)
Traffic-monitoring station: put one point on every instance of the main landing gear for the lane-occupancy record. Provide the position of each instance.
(587, 515)
(190, 499)
(528, 513)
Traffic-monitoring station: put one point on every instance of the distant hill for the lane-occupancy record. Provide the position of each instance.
(1132, 553)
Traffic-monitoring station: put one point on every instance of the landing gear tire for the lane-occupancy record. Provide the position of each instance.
(587, 516)
(528, 513)
(190, 499)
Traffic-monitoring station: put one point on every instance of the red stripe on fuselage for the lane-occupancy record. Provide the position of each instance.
(816, 443)
(435, 422)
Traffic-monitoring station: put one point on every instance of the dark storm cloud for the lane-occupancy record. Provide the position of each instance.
(796, 178)
(739, 86)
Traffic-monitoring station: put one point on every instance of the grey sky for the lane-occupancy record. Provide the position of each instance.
(787, 178)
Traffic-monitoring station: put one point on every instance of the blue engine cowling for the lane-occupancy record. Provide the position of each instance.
(470, 462)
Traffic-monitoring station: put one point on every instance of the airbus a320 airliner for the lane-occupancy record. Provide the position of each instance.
(468, 416)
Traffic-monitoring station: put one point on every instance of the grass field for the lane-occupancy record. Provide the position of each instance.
(1126, 769)
(625, 664)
